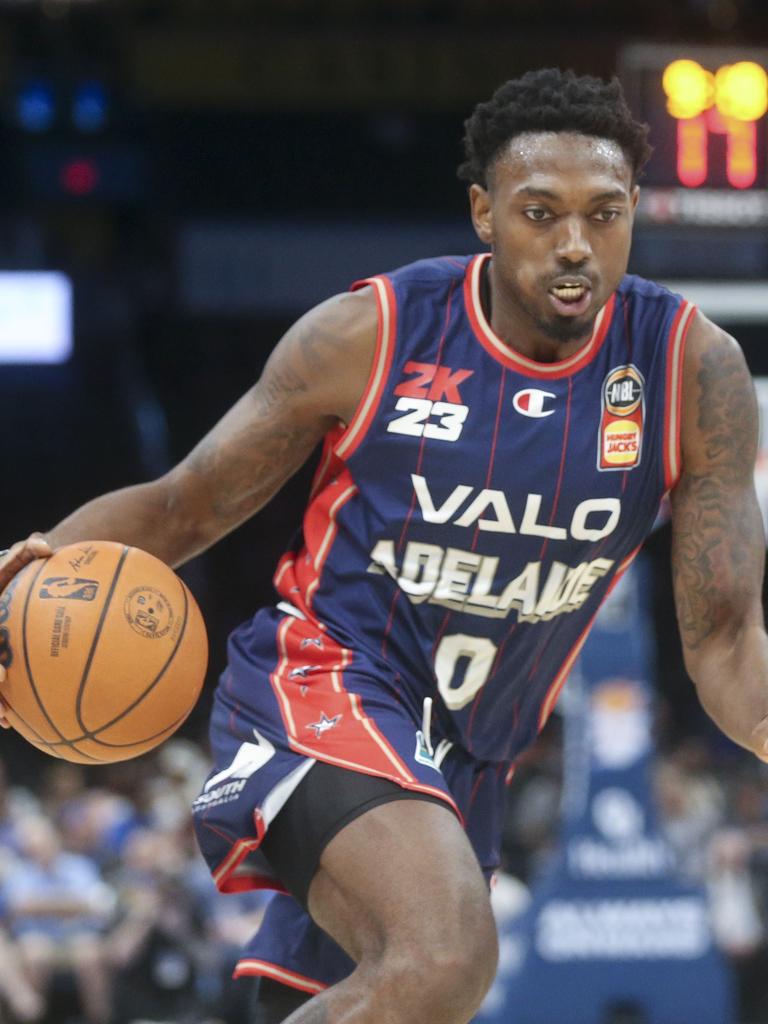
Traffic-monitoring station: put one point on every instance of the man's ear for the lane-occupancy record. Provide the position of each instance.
(482, 217)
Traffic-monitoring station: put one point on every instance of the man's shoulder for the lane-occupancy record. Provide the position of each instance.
(635, 287)
(435, 270)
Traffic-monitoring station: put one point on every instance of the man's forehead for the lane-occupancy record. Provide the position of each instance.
(534, 155)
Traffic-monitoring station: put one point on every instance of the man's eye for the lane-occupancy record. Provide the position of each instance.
(537, 213)
(606, 216)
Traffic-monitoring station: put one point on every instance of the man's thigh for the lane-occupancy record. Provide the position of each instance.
(326, 800)
(402, 875)
(373, 862)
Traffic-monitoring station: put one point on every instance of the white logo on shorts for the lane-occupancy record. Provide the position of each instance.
(248, 759)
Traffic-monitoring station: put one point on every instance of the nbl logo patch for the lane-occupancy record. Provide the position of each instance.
(620, 439)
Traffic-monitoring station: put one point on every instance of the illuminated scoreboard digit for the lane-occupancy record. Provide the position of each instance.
(727, 106)
(707, 109)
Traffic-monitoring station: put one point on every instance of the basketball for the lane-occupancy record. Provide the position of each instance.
(105, 652)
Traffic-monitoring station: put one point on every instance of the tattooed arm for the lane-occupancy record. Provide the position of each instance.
(718, 545)
(314, 378)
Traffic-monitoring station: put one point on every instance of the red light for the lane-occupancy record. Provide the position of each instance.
(692, 151)
(79, 177)
(716, 123)
(741, 153)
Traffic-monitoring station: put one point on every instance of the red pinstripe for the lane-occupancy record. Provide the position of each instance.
(561, 471)
(419, 460)
(550, 698)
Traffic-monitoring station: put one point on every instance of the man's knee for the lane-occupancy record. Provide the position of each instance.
(442, 969)
(401, 891)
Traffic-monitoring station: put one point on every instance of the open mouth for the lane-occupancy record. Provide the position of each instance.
(571, 298)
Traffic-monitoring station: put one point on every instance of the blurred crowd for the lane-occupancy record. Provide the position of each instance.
(108, 914)
(712, 800)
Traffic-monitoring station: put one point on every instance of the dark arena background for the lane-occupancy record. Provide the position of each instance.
(178, 182)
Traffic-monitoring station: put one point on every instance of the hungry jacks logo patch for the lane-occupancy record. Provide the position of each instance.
(620, 438)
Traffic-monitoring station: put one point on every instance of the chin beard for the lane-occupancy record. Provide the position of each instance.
(565, 329)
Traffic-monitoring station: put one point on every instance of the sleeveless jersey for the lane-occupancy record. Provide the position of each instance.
(464, 528)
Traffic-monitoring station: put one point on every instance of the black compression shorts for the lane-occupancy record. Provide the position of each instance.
(326, 799)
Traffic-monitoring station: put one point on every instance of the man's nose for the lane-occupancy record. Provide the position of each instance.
(573, 244)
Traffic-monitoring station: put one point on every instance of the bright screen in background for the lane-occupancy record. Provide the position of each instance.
(35, 317)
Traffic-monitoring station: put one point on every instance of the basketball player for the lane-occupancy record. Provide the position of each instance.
(499, 431)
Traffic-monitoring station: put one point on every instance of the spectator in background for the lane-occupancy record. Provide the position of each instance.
(91, 819)
(156, 948)
(532, 810)
(182, 770)
(733, 904)
(15, 805)
(57, 907)
(737, 922)
(691, 809)
(17, 995)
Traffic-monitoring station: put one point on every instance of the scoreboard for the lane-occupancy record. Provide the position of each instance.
(707, 108)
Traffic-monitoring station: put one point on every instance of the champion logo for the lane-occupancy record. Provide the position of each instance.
(532, 402)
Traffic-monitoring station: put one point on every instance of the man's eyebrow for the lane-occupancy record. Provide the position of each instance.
(544, 193)
(537, 193)
(611, 193)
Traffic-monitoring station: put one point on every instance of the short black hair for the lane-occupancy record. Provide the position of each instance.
(551, 100)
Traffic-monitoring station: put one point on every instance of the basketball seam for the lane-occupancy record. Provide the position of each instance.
(55, 746)
(95, 641)
(50, 744)
(31, 677)
(133, 743)
(92, 734)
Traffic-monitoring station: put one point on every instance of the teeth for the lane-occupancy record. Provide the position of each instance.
(568, 292)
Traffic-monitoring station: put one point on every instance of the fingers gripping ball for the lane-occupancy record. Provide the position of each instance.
(105, 652)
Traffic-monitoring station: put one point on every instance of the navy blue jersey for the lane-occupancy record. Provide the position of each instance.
(466, 525)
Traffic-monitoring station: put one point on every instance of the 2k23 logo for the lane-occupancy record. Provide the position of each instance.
(430, 402)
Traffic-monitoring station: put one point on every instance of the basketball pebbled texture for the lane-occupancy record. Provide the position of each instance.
(105, 651)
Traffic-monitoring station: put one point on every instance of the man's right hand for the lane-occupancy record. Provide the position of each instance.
(21, 554)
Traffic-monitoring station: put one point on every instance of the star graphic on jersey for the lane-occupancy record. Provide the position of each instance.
(324, 724)
(314, 641)
(303, 671)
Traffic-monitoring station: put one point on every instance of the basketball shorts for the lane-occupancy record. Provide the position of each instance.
(291, 696)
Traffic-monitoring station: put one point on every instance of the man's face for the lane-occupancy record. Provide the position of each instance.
(557, 214)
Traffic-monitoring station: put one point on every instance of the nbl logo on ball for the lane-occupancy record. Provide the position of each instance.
(620, 439)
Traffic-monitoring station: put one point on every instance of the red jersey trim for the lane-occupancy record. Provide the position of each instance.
(328, 537)
(678, 334)
(507, 356)
(382, 360)
(560, 679)
(226, 877)
(363, 747)
(267, 970)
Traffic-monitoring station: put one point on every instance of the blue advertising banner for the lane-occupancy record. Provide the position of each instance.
(612, 936)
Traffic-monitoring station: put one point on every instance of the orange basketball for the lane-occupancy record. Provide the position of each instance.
(105, 651)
